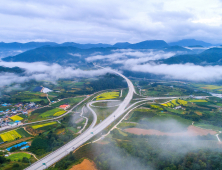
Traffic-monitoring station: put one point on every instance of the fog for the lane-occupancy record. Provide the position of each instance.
(188, 71)
(130, 55)
(144, 61)
(42, 71)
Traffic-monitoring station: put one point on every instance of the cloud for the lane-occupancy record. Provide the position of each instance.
(188, 71)
(42, 71)
(93, 21)
(127, 56)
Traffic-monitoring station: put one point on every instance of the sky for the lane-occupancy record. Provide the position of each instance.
(110, 21)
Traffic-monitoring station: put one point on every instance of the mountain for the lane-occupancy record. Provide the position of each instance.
(122, 45)
(150, 44)
(190, 42)
(212, 56)
(85, 46)
(28, 45)
(58, 54)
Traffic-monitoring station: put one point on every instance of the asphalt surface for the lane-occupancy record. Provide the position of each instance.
(88, 134)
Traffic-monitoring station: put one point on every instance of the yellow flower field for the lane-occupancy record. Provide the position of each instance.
(9, 136)
(175, 102)
(107, 96)
(42, 125)
(59, 113)
(16, 117)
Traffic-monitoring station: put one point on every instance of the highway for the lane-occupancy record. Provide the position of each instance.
(88, 134)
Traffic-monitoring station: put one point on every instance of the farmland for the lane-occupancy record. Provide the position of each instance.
(175, 102)
(19, 156)
(10, 136)
(59, 113)
(50, 112)
(196, 101)
(14, 134)
(16, 117)
(43, 125)
(107, 96)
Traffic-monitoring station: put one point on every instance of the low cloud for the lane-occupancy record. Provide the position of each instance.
(42, 71)
(131, 56)
(180, 71)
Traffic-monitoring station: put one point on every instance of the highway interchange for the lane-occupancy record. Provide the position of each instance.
(93, 129)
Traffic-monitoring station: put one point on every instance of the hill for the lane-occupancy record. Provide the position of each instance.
(57, 54)
(150, 44)
(212, 56)
(29, 45)
(190, 42)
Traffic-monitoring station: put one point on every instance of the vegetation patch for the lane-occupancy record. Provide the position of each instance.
(43, 125)
(107, 96)
(19, 156)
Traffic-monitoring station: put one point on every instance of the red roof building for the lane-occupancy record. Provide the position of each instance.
(64, 106)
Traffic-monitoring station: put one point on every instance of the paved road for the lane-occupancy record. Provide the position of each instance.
(85, 136)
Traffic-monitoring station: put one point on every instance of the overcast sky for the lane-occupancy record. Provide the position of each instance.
(110, 21)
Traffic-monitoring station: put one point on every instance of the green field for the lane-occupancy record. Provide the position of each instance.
(19, 156)
(50, 112)
(22, 132)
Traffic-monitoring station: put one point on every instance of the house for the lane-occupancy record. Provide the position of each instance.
(64, 106)
(12, 124)
(178, 107)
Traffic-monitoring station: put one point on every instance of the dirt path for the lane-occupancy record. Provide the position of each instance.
(191, 131)
(85, 165)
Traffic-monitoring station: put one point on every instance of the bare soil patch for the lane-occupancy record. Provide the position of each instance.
(85, 165)
(191, 131)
